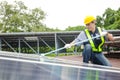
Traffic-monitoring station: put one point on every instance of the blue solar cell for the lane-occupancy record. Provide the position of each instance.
(53, 69)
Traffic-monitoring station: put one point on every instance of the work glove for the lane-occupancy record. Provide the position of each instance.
(67, 46)
(104, 33)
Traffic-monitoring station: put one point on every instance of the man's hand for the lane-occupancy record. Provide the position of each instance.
(104, 33)
(67, 46)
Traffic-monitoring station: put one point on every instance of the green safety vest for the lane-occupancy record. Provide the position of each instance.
(99, 49)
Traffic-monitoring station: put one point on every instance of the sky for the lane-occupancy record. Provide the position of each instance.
(64, 13)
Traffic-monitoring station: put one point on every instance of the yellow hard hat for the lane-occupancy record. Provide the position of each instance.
(89, 19)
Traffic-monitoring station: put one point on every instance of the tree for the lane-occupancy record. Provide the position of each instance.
(99, 21)
(110, 19)
(75, 28)
(18, 18)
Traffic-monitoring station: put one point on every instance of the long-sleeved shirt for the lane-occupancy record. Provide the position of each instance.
(82, 36)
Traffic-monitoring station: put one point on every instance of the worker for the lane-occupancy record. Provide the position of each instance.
(93, 47)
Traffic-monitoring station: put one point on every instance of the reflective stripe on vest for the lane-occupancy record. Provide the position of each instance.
(99, 49)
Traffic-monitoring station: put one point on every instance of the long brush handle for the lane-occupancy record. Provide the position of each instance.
(74, 44)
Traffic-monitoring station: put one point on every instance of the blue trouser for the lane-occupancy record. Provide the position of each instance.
(95, 58)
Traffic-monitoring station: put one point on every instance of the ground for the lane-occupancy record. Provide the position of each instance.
(115, 62)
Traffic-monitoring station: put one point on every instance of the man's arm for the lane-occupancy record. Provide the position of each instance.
(108, 35)
(79, 38)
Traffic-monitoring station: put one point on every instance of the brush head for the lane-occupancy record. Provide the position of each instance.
(42, 57)
(42, 54)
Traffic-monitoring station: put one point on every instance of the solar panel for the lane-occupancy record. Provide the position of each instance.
(29, 67)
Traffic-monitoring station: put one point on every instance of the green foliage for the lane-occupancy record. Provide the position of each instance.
(76, 28)
(45, 49)
(99, 21)
(110, 19)
(70, 49)
(18, 18)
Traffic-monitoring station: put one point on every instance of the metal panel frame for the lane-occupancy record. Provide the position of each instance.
(49, 39)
